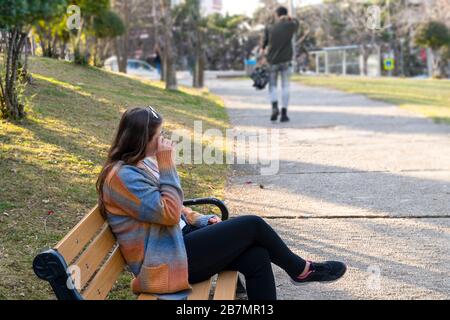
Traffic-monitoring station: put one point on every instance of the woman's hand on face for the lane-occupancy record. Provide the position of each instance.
(165, 144)
(214, 220)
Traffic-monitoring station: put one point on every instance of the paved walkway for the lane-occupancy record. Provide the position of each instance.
(359, 181)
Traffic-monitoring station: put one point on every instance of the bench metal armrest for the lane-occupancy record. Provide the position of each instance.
(214, 201)
(51, 266)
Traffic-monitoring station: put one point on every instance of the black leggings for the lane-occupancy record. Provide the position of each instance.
(246, 244)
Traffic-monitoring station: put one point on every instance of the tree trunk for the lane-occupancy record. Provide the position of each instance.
(199, 71)
(198, 79)
(25, 77)
(169, 56)
(398, 70)
(121, 43)
(46, 41)
(169, 70)
(439, 66)
(10, 104)
(95, 52)
(365, 54)
(105, 48)
(76, 43)
(122, 59)
(163, 66)
(62, 49)
(156, 37)
(53, 49)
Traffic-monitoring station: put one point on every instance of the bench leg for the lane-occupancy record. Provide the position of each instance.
(226, 285)
(240, 289)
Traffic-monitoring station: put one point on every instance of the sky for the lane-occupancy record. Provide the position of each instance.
(249, 6)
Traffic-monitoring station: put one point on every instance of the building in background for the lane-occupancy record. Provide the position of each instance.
(207, 7)
(211, 6)
(176, 2)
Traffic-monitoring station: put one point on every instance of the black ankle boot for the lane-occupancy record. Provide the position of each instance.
(275, 111)
(284, 117)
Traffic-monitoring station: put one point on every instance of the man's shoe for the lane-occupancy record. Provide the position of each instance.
(275, 111)
(328, 271)
(284, 117)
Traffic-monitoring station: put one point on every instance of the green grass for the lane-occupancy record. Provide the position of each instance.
(429, 97)
(50, 160)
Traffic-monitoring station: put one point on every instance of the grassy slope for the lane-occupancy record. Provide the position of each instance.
(50, 161)
(429, 97)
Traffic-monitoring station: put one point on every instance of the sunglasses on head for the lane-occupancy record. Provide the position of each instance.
(152, 112)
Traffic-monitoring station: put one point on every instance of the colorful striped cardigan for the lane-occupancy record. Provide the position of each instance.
(144, 212)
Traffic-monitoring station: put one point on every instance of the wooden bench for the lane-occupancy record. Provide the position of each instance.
(86, 263)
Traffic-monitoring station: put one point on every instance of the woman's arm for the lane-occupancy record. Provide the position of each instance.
(130, 192)
(197, 219)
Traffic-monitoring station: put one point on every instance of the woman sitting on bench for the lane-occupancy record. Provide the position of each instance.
(167, 246)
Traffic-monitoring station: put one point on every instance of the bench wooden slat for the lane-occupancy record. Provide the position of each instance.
(200, 291)
(95, 253)
(104, 280)
(226, 285)
(71, 245)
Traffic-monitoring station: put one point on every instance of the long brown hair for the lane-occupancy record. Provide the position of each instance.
(136, 128)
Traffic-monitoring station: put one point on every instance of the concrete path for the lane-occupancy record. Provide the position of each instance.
(359, 181)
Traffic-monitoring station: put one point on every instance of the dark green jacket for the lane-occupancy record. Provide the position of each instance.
(278, 38)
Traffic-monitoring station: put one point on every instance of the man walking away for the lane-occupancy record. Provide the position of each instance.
(277, 47)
